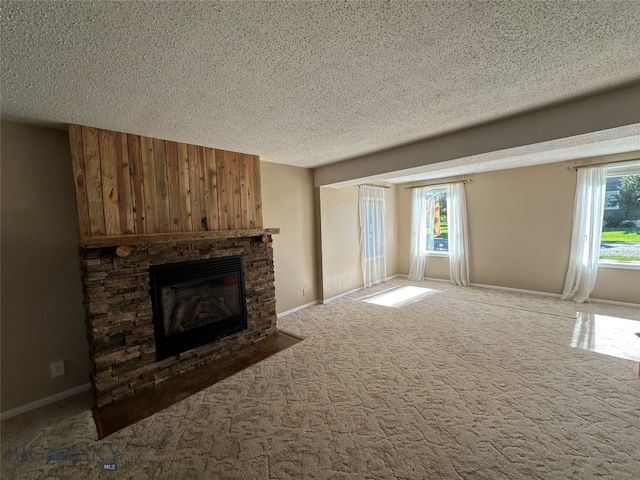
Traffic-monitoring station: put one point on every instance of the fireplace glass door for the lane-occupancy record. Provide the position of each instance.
(196, 302)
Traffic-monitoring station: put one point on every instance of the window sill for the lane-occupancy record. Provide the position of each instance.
(437, 254)
(619, 265)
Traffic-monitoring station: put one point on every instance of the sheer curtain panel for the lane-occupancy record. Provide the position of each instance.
(418, 250)
(588, 210)
(458, 236)
(372, 234)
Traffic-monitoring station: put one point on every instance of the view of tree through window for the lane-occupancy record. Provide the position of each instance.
(621, 222)
(437, 225)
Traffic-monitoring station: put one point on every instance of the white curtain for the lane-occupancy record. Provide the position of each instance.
(458, 237)
(588, 210)
(372, 234)
(418, 233)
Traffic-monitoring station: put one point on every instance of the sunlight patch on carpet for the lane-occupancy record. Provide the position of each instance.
(398, 297)
(611, 336)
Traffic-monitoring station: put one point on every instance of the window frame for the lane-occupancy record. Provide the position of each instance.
(620, 171)
(439, 190)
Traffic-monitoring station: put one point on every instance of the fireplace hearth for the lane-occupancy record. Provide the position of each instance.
(196, 302)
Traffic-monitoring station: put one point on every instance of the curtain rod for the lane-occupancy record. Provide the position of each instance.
(578, 167)
(372, 185)
(467, 180)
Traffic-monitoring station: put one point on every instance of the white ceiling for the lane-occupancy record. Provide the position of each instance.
(306, 83)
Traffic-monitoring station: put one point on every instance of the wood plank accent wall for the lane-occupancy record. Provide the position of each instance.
(129, 184)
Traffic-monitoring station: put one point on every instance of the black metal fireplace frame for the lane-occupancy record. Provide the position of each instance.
(174, 273)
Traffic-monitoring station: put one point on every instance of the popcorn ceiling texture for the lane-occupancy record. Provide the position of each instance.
(306, 83)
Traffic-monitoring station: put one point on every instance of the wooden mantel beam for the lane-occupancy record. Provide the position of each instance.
(154, 238)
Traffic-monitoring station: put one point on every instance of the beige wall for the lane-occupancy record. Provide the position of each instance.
(340, 233)
(403, 216)
(391, 227)
(437, 267)
(288, 203)
(520, 233)
(520, 227)
(340, 238)
(618, 285)
(42, 313)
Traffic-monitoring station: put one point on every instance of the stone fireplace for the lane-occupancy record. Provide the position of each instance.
(177, 269)
(123, 346)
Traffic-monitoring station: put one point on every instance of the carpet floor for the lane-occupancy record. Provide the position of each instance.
(423, 380)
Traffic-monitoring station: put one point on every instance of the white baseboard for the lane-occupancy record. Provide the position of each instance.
(516, 290)
(395, 276)
(297, 309)
(45, 401)
(431, 279)
(555, 295)
(329, 300)
(615, 302)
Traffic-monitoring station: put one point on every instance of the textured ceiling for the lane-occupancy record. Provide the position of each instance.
(306, 83)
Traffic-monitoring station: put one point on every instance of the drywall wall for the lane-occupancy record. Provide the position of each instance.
(437, 267)
(288, 203)
(391, 229)
(403, 219)
(617, 284)
(340, 238)
(520, 233)
(42, 312)
(340, 232)
(520, 227)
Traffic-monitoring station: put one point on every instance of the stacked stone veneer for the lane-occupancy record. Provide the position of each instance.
(119, 320)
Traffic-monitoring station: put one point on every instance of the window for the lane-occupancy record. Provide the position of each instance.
(437, 224)
(620, 240)
(374, 218)
(436, 212)
(372, 225)
(372, 234)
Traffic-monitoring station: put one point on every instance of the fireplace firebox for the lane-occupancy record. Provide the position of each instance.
(196, 302)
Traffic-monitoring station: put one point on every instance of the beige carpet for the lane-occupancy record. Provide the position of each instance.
(462, 383)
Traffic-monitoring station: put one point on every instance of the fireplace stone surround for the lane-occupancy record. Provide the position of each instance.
(118, 310)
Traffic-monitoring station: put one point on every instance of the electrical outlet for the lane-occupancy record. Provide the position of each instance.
(57, 368)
